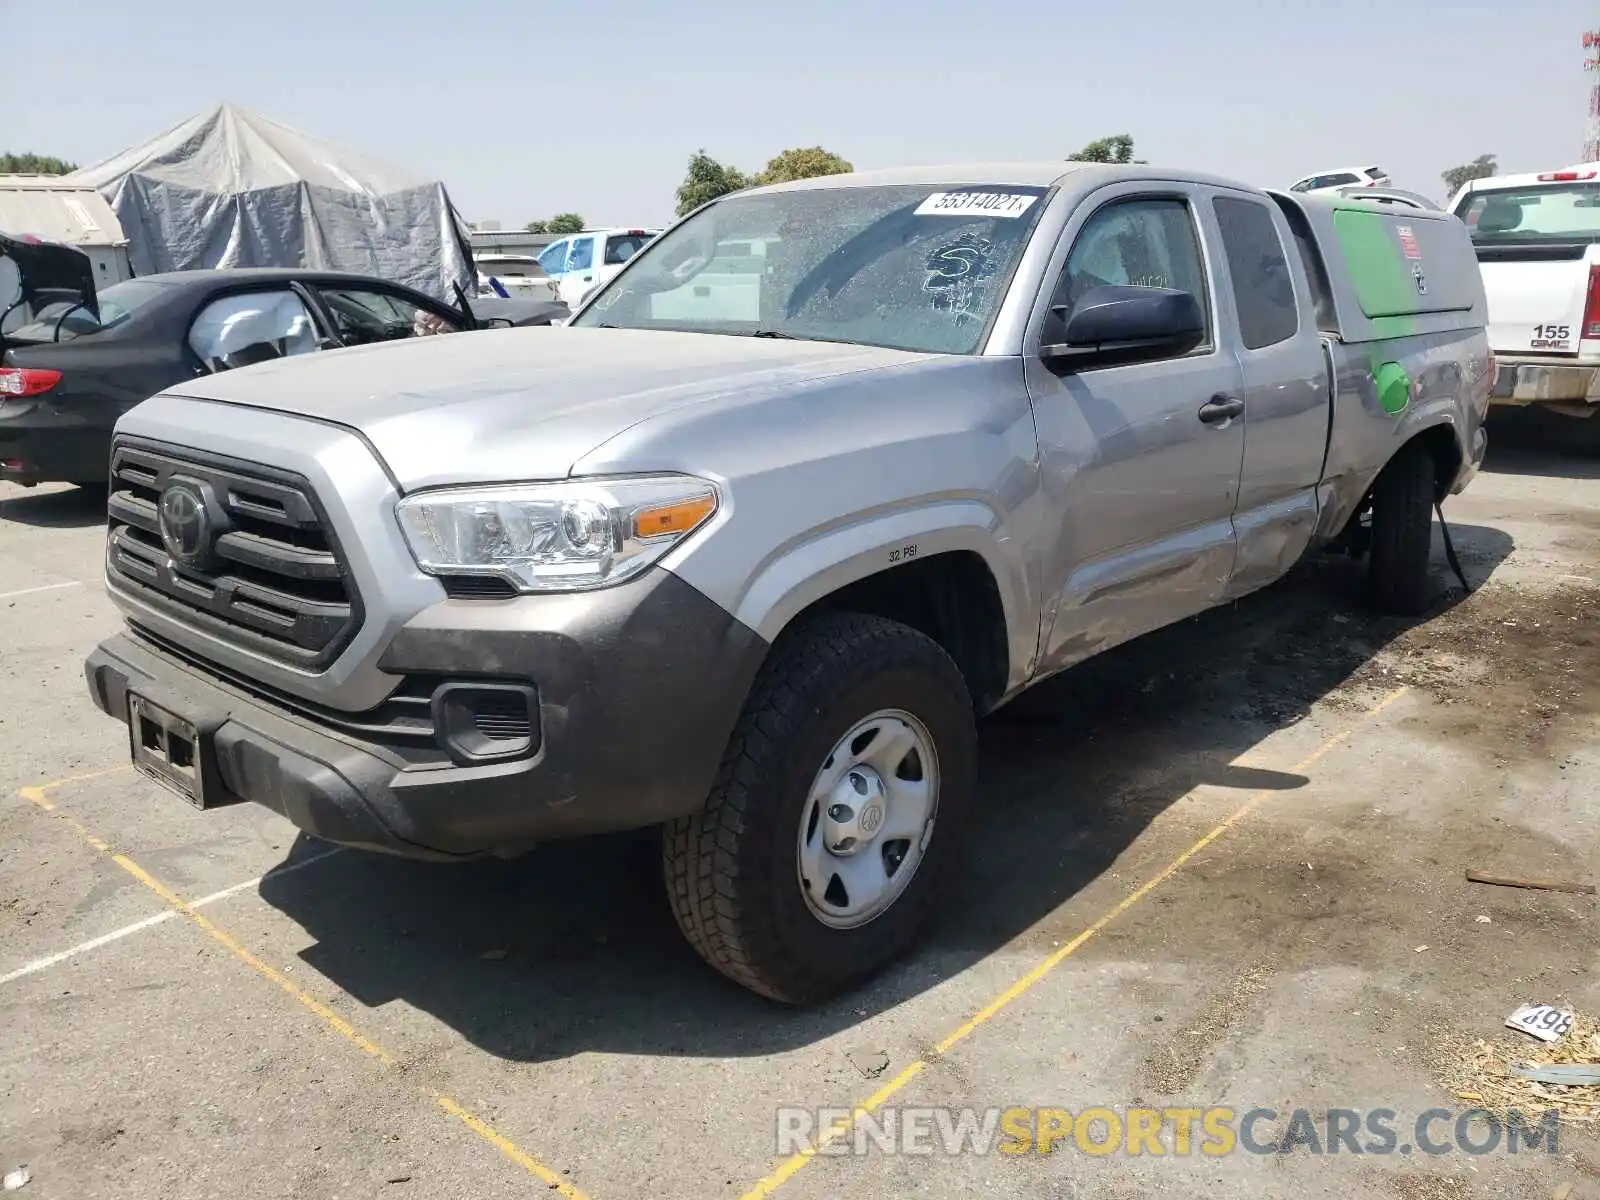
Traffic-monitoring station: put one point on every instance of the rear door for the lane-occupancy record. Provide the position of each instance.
(1285, 387)
(1537, 245)
(616, 249)
(579, 278)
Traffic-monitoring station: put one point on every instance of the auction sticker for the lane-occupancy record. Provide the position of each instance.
(975, 204)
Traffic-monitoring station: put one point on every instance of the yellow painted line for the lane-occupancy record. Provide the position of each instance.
(38, 793)
(553, 1180)
(790, 1166)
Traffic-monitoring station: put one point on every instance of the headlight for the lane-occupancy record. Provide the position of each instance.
(555, 537)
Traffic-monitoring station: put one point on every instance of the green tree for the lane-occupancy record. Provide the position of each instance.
(1118, 148)
(1482, 167)
(537, 227)
(805, 163)
(34, 164)
(707, 179)
(564, 223)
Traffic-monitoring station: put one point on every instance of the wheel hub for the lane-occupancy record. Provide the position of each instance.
(865, 827)
(855, 811)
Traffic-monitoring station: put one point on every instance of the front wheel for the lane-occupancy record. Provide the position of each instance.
(835, 818)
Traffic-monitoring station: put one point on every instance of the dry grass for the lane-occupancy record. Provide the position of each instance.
(1476, 1073)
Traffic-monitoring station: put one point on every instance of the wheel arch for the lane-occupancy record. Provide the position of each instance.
(950, 580)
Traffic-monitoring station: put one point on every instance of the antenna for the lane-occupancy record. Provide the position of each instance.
(1591, 64)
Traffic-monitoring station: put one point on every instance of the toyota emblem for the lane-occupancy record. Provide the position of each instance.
(185, 524)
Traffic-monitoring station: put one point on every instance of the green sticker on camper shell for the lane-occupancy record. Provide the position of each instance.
(1389, 282)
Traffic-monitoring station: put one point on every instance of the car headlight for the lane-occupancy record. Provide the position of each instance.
(555, 537)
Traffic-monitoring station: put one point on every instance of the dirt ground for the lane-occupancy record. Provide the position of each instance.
(1223, 867)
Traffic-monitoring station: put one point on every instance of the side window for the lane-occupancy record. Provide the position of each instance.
(1262, 285)
(1143, 243)
(251, 327)
(582, 256)
(554, 258)
(361, 317)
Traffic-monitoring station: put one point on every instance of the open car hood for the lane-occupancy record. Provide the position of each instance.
(36, 273)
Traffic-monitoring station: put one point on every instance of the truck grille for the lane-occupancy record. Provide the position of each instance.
(239, 551)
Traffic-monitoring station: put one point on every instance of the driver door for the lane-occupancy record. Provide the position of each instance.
(361, 316)
(1139, 485)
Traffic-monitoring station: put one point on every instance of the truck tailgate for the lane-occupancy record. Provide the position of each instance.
(1537, 297)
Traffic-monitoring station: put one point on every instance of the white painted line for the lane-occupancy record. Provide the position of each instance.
(272, 874)
(50, 960)
(48, 587)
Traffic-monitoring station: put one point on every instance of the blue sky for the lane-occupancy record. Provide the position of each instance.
(525, 110)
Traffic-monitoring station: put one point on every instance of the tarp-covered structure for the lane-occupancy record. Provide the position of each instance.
(229, 188)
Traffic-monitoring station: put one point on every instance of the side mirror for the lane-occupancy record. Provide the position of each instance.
(496, 323)
(1118, 322)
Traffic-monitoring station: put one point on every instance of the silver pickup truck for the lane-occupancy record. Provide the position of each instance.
(829, 471)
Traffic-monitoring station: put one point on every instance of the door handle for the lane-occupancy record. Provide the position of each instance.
(1221, 408)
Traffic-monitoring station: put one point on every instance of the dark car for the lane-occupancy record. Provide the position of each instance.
(80, 360)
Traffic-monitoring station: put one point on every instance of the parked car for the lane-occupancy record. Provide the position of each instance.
(1341, 177)
(82, 357)
(581, 263)
(517, 274)
(751, 576)
(1537, 237)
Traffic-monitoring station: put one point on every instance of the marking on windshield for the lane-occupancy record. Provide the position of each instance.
(956, 272)
(975, 204)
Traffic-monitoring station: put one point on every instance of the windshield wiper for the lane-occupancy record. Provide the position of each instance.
(776, 333)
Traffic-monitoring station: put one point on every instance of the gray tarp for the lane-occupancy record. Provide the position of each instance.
(231, 189)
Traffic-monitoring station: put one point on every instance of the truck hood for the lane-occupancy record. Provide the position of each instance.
(521, 404)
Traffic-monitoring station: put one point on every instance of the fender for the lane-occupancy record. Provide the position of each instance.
(828, 558)
(1340, 497)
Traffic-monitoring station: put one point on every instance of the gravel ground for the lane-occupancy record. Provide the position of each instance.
(1221, 867)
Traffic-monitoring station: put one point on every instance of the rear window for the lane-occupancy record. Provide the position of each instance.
(620, 247)
(1552, 212)
(1375, 172)
(1263, 289)
(61, 322)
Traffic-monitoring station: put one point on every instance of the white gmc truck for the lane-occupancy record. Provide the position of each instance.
(1537, 239)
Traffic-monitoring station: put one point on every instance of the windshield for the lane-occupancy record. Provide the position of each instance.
(1552, 212)
(63, 321)
(906, 267)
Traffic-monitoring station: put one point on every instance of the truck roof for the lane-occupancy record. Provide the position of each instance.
(1014, 174)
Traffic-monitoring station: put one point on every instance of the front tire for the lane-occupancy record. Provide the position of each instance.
(835, 818)
(1402, 534)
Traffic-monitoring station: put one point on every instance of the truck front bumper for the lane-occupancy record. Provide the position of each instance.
(637, 690)
(1569, 386)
